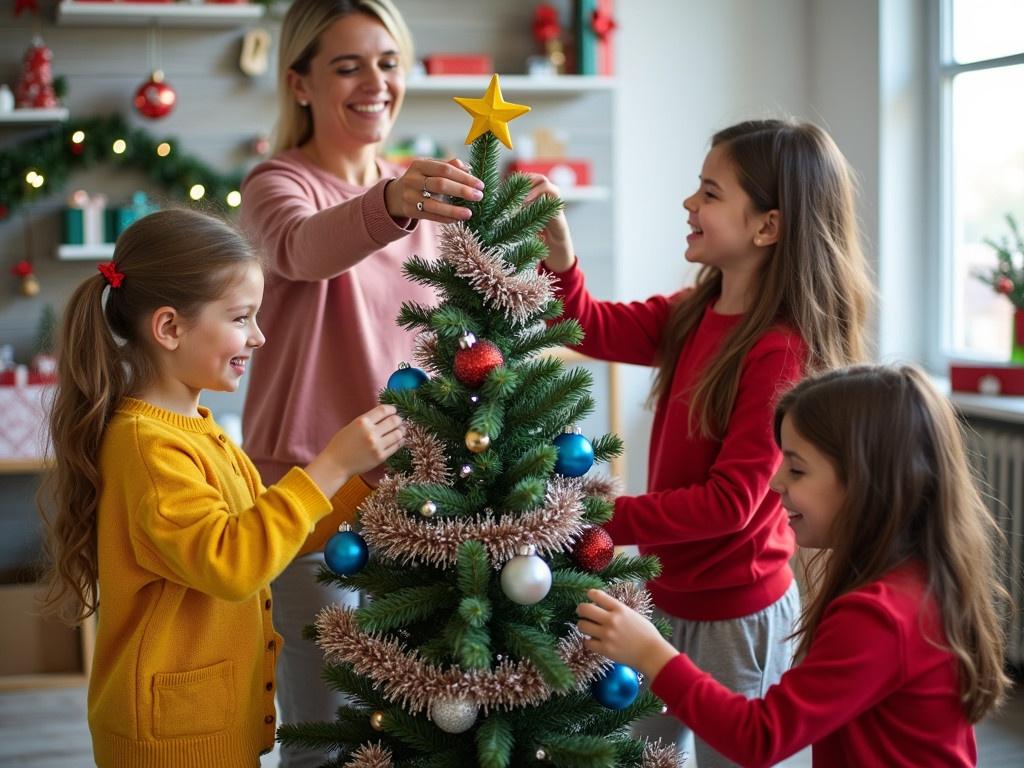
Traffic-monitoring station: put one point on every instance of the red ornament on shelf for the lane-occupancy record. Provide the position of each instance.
(155, 98)
(594, 550)
(475, 360)
(35, 86)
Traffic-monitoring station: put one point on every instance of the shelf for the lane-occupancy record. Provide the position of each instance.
(29, 116)
(21, 466)
(579, 194)
(461, 85)
(85, 252)
(128, 14)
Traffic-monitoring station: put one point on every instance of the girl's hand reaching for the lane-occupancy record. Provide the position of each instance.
(561, 255)
(622, 634)
(418, 193)
(357, 447)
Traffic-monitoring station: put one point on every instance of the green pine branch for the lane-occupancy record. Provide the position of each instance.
(537, 461)
(607, 447)
(473, 568)
(525, 223)
(489, 418)
(578, 751)
(567, 333)
(494, 742)
(449, 501)
(597, 510)
(413, 315)
(526, 254)
(484, 154)
(539, 647)
(403, 607)
(623, 567)
(379, 577)
(525, 495)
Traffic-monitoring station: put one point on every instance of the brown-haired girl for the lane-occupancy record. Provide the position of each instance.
(900, 649)
(782, 290)
(160, 517)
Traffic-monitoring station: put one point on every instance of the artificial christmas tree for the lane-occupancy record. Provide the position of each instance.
(481, 539)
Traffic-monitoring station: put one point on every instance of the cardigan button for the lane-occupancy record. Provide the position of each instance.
(268, 719)
(271, 645)
(266, 605)
(269, 686)
(222, 438)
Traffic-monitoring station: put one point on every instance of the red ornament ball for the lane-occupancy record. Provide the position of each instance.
(594, 550)
(1004, 285)
(155, 98)
(474, 363)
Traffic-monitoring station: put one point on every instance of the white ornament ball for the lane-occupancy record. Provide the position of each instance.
(454, 715)
(526, 578)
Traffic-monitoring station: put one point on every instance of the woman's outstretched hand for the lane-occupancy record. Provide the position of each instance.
(623, 635)
(561, 255)
(422, 191)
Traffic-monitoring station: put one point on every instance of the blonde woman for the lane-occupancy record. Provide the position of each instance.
(335, 222)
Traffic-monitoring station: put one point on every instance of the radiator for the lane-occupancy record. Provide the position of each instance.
(997, 452)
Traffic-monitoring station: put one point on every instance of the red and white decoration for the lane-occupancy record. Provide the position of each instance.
(35, 86)
(155, 98)
(475, 360)
(23, 415)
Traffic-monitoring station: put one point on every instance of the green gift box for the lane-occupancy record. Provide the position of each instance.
(118, 220)
(74, 226)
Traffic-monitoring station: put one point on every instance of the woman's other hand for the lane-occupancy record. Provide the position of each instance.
(561, 255)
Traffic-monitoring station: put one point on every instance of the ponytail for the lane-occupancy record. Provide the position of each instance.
(91, 381)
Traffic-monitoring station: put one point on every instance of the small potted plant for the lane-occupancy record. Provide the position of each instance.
(1008, 279)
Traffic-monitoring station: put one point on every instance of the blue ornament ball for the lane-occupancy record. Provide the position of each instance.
(406, 377)
(575, 454)
(618, 688)
(346, 553)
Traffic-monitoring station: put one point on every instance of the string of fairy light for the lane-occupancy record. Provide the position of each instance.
(40, 165)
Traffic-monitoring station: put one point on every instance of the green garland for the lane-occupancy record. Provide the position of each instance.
(80, 144)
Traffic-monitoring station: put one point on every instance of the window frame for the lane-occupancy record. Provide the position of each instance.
(943, 71)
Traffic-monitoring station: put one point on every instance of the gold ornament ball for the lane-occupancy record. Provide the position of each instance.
(428, 509)
(29, 285)
(377, 721)
(477, 442)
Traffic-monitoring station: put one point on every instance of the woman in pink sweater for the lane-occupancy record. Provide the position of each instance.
(336, 223)
(901, 647)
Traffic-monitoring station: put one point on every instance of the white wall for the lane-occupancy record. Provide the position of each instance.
(687, 70)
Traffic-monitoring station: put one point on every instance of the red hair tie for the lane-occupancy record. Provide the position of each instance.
(109, 271)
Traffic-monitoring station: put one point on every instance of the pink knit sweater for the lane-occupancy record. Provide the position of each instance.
(333, 289)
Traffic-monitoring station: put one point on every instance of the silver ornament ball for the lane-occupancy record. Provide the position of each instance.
(428, 508)
(526, 578)
(540, 754)
(453, 715)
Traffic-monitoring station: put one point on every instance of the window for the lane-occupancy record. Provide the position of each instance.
(981, 160)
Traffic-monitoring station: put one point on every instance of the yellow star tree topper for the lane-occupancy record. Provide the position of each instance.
(491, 113)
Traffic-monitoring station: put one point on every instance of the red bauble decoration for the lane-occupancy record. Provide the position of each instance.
(476, 360)
(594, 550)
(155, 98)
(35, 86)
(1004, 285)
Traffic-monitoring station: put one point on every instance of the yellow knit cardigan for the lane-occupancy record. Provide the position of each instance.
(188, 542)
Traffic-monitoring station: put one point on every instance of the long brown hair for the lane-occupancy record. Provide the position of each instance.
(814, 281)
(303, 24)
(176, 258)
(899, 453)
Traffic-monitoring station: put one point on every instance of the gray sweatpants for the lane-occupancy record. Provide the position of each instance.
(747, 655)
(302, 695)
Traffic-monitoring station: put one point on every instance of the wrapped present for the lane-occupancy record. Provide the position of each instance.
(586, 38)
(74, 218)
(121, 217)
(23, 416)
(988, 379)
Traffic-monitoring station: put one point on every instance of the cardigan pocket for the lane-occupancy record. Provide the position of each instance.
(193, 703)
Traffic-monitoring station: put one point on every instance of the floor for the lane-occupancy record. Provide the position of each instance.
(46, 729)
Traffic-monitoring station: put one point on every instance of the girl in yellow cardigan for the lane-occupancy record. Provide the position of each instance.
(159, 521)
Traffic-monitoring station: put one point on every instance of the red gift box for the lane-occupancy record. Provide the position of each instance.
(458, 64)
(991, 379)
(561, 172)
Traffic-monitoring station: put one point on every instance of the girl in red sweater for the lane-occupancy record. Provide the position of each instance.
(782, 290)
(901, 648)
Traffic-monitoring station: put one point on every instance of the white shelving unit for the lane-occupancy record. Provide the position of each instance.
(459, 85)
(34, 116)
(85, 252)
(129, 14)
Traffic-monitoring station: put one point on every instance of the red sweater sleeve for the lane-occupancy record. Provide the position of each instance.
(737, 482)
(281, 211)
(856, 660)
(620, 332)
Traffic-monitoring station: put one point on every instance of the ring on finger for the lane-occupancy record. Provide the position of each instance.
(426, 193)
(419, 206)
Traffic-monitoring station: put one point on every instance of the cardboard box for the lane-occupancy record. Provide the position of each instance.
(30, 644)
(458, 64)
(990, 379)
(561, 172)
